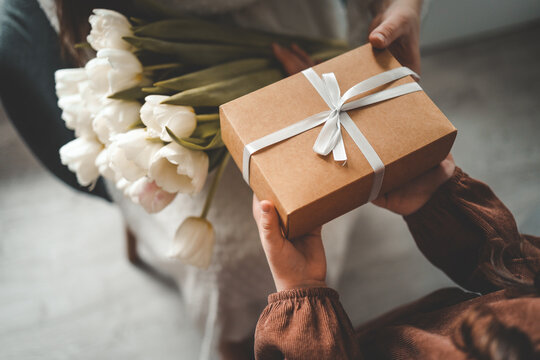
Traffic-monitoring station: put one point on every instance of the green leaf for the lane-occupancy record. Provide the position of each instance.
(132, 94)
(195, 144)
(205, 130)
(156, 90)
(198, 53)
(207, 117)
(198, 30)
(83, 45)
(149, 58)
(138, 21)
(224, 91)
(167, 66)
(215, 157)
(214, 74)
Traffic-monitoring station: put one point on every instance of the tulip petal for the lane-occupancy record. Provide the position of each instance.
(193, 242)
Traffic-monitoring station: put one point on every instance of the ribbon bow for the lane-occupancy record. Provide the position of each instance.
(330, 139)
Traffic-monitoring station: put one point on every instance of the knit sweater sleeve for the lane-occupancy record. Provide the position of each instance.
(305, 324)
(462, 227)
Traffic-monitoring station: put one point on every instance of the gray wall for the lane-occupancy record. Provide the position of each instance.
(449, 21)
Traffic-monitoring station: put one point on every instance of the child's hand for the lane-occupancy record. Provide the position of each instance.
(293, 60)
(299, 263)
(412, 196)
(396, 26)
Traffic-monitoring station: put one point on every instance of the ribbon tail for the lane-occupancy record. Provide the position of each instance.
(328, 137)
(278, 136)
(339, 151)
(369, 153)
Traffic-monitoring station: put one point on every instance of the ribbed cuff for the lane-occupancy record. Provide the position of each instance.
(323, 292)
(439, 198)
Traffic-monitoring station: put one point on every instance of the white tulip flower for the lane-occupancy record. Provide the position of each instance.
(126, 70)
(123, 185)
(67, 81)
(130, 153)
(93, 101)
(103, 165)
(113, 70)
(150, 196)
(179, 169)
(76, 115)
(80, 156)
(116, 116)
(97, 70)
(193, 242)
(107, 29)
(156, 116)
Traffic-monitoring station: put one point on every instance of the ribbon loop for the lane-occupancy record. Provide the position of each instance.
(330, 138)
(333, 91)
(329, 135)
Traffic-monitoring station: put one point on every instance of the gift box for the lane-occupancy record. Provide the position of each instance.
(408, 133)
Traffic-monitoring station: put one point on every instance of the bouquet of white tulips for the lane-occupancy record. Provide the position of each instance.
(145, 109)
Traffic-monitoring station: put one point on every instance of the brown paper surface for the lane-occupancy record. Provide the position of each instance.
(409, 133)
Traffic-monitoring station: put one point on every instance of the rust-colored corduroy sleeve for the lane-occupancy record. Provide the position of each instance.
(305, 324)
(458, 228)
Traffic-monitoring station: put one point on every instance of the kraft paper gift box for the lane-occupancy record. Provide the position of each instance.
(409, 134)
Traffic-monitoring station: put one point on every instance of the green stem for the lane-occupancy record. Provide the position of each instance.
(214, 185)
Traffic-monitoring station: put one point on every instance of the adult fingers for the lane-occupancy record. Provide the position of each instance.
(375, 22)
(289, 60)
(388, 30)
(407, 52)
(302, 55)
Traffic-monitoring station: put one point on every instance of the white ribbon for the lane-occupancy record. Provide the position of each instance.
(330, 139)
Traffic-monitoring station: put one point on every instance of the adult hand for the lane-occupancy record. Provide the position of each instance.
(412, 196)
(293, 60)
(298, 263)
(396, 26)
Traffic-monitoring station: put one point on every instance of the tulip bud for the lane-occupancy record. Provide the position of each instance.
(113, 70)
(122, 184)
(93, 100)
(126, 69)
(150, 196)
(103, 165)
(193, 242)
(67, 81)
(179, 169)
(80, 156)
(130, 153)
(107, 29)
(156, 116)
(115, 117)
(97, 70)
(76, 116)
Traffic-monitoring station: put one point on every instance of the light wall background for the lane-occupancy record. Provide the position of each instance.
(453, 21)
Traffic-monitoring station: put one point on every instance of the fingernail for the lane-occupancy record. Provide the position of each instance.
(380, 37)
(265, 207)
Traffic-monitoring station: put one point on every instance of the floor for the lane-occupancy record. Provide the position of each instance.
(67, 290)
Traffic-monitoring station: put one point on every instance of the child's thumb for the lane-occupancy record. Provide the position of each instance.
(269, 229)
